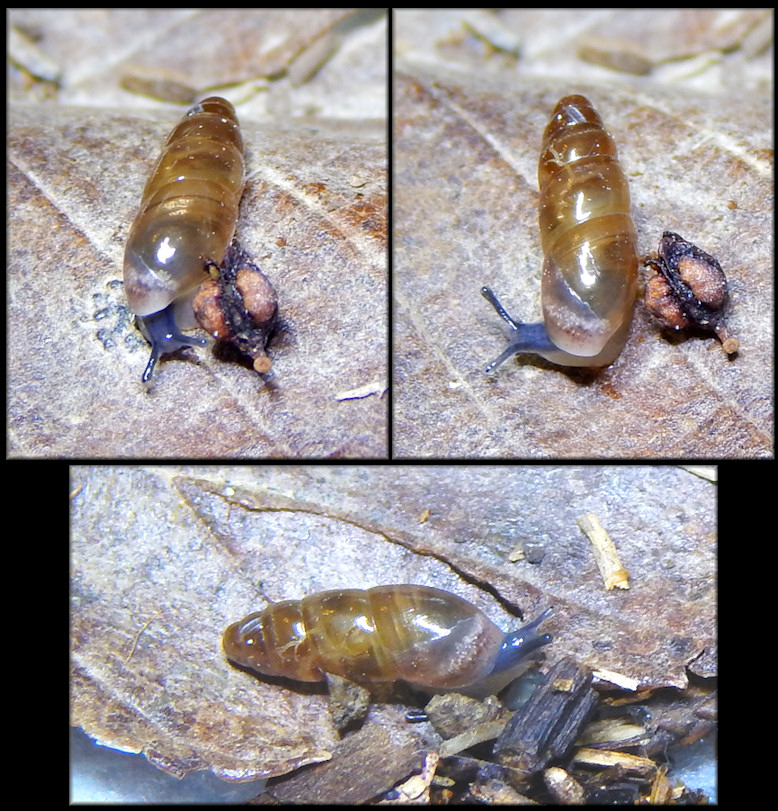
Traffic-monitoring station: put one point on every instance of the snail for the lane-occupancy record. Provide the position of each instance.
(187, 218)
(590, 261)
(425, 636)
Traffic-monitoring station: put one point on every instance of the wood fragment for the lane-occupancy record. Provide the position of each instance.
(416, 789)
(603, 759)
(485, 732)
(547, 726)
(614, 575)
(617, 679)
(663, 790)
(613, 732)
(565, 789)
(364, 765)
(495, 792)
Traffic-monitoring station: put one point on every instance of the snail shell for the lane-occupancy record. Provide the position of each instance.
(425, 636)
(187, 218)
(590, 260)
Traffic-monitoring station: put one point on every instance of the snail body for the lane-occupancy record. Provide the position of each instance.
(589, 279)
(425, 636)
(187, 218)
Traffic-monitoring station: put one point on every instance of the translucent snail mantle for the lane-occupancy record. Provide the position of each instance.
(425, 636)
(589, 278)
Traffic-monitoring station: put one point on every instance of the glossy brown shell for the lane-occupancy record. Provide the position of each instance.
(589, 243)
(189, 208)
(426, 636)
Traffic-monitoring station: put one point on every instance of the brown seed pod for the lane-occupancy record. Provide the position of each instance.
(590, 267)
(187, 218)
(425, 636)
(238, 306)
(688, 289)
